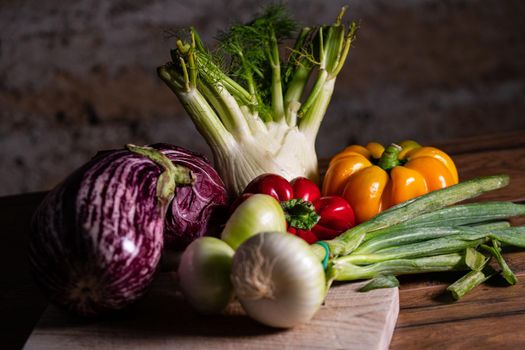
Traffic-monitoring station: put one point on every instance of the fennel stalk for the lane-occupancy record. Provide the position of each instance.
(258, 114)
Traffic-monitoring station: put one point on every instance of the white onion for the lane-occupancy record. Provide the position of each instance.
(278, 280)
(204, 274)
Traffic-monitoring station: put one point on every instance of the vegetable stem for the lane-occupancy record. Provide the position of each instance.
(381, 281)
(436, 246)
(172, 175)
(311, 121)
(277, 90)
(191, 58)
(341, 270)
(346, 48)
(466, 214)
(506, 272)
(185, 74)
(232, 111)
(394, 237)
(474, 259)
(212, 74)
(389, 159)
(296, 76)
(294, 92)
(514, 236)
(400, 235)
(206, 120)
(218, 105)
(316, 91)
(470, 281)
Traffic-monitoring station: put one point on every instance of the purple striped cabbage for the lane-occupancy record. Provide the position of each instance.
(196, 210)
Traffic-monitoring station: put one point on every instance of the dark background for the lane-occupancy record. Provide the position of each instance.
(79, 76)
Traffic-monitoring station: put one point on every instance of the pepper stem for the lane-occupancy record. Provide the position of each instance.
(172, 175)
(300, 214)
(389, 159)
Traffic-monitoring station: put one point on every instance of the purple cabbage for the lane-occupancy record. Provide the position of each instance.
(196, 210)
(97, 238)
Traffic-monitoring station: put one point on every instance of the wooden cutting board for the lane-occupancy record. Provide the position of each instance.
(163, 320)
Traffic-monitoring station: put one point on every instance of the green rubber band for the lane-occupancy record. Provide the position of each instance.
(327, 253)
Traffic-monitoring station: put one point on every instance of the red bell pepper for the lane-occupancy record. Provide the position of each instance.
(308, 215)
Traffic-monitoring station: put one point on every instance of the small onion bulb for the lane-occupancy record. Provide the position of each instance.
(204, 274)
(258, 213)
(278, 279)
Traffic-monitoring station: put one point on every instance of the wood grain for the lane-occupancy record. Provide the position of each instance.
(491, 316)
(507, 161)
(482, 143)
(163, 320)
(499, 331)
(443, 309)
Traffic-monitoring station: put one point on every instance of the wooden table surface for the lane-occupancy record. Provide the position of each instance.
(491, 316)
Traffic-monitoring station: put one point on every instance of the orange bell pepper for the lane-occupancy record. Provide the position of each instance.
(373, 178)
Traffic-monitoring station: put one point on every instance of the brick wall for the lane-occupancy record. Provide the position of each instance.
(79, 76)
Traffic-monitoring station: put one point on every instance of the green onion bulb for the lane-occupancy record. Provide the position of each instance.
(204, 274)
(259, 213)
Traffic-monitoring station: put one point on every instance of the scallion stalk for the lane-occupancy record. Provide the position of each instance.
(398, 236)
(431, 247)
(467, 214)
(470, 281)
(506, 272)
(342, 270)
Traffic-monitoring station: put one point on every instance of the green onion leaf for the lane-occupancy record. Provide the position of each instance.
(506, 272)
(470, 281)
(383, 281)
(474, 259)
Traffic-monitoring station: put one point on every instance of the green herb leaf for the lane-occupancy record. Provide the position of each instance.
(474, 259)
(383, 281)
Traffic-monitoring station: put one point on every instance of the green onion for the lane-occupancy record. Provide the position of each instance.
(341, 270)
(507, 273)
(470, 281)
(204, 274)
(382, 281)
(474, 259)
(467, 214)
(436, 246)
(399, 235)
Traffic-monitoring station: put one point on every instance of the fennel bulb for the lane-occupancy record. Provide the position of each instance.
(253, 107)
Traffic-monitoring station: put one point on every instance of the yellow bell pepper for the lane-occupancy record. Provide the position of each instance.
(373, 178)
